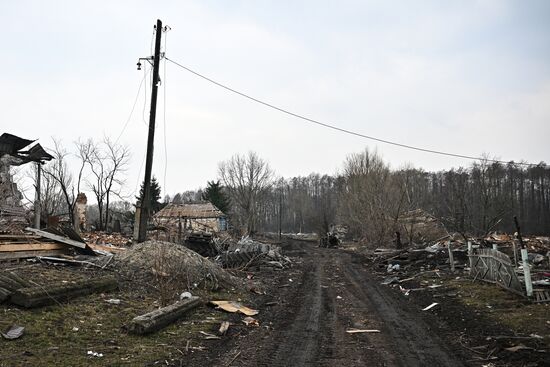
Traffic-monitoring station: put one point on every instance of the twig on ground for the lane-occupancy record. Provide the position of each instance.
(233, 359)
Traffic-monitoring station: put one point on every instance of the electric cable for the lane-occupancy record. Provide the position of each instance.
(144, 96)
(139, 173)
(346, 131)
(164, 113)
(132, 111)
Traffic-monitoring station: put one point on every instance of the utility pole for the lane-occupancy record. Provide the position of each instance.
(145, 200)
(280, 209)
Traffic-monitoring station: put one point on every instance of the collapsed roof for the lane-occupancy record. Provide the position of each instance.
(197, 210)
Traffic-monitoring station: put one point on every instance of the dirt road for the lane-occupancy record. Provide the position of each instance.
(308, 310)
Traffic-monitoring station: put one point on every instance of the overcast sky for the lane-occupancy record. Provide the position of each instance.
(468, 77)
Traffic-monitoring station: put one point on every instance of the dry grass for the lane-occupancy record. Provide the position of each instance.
(61, 335)
(506, 307)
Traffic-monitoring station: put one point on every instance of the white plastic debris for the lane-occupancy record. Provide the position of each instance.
(75, 328)
(95, 354)
(14, 332)
(113, 301)
(430, 306)
(185, 295)
(392, 268)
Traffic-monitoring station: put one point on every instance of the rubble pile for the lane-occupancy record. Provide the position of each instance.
(420, 226)
(172, 263)
(249, 253)
(108, 239)
(450, 255)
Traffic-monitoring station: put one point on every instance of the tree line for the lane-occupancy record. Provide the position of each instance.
(370, 198)
(366, 196)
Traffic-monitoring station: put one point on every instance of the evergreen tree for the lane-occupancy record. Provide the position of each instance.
(156, 205)
(214, 194)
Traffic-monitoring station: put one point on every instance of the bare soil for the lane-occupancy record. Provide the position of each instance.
(308, 310)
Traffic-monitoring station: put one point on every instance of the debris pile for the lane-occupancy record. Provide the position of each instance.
(501, 260)
(106, 243)
(172, 265)
(420, 226)
(34, 242)
(249, 253)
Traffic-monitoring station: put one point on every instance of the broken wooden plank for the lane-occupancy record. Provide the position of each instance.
(162, 317)
(24, 254)
(56, 238)
(110, 249)
(49, 294)
(358, 331)
(223, 328)
(231, 306)
(31, 246)
(18, 237)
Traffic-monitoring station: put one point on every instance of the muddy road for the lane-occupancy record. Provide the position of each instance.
(308, 309)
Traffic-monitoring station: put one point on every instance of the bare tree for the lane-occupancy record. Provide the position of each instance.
(107, 162)
(247, 179)
(370, 200)
(58, 170)
(51, 197)
(118, 157)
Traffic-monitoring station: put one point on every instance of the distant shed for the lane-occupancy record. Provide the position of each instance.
(202, 216)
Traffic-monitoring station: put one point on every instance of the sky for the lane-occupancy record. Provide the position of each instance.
(467, 77)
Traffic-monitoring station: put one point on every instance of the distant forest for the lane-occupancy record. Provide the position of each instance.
(370, 198)
(474, 200)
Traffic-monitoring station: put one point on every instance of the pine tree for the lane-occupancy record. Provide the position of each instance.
(214, 194)
(156, 205)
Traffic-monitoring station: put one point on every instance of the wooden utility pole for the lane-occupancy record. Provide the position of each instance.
(280, 210)
(145, 200)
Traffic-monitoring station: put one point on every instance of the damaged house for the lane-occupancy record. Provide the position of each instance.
(178, 221)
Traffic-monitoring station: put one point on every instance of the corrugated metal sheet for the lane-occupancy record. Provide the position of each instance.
(200, 210)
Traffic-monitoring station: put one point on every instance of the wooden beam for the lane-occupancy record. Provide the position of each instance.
(110, 249)
(162, 317)
(31, 246)
(56, 238)
(22, 237)
(24, 254)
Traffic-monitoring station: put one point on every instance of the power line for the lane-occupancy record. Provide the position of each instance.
(132, 111)
(164, 113)
(139, 174)
(144, 96)
(329, 126)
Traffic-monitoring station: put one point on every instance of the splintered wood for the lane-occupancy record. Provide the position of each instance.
(19, 246)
